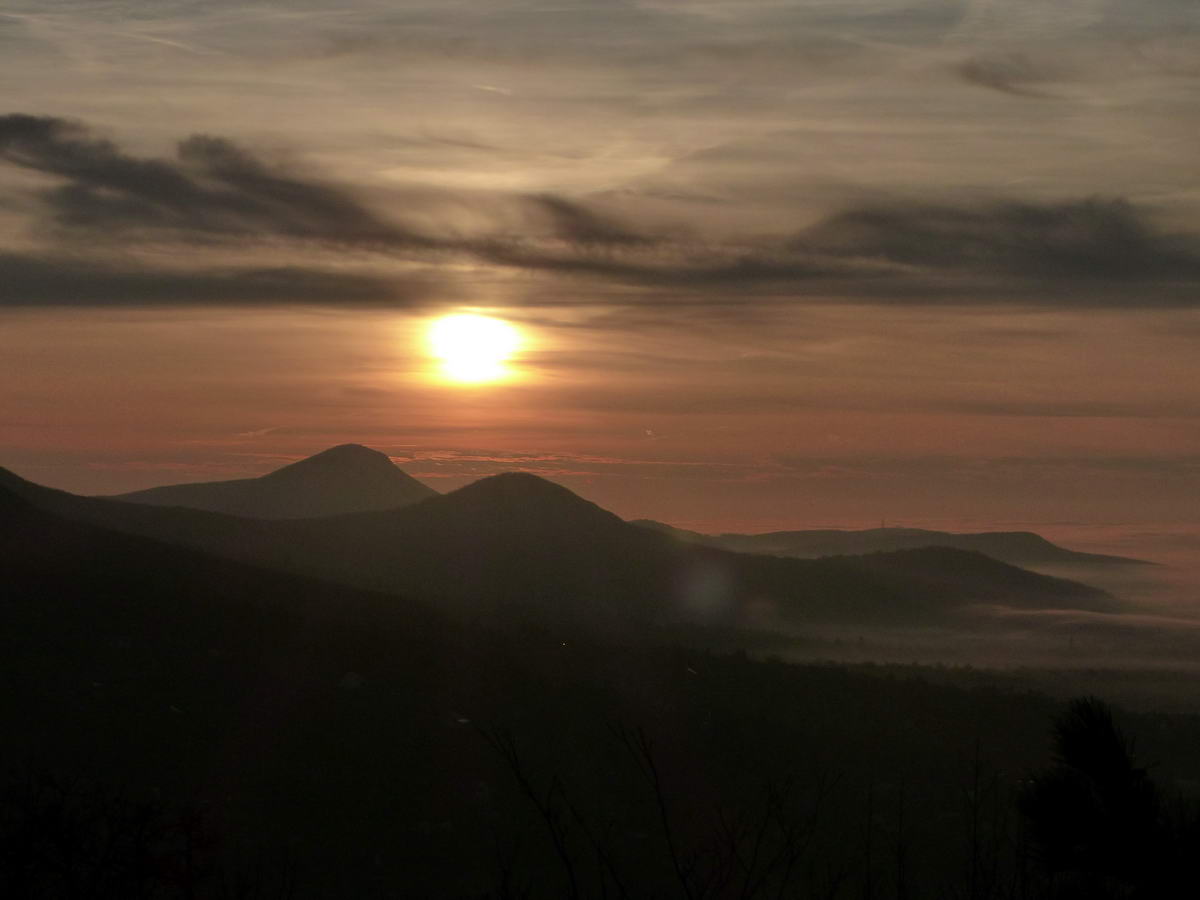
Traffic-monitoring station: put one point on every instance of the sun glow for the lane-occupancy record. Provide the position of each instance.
(473, 348)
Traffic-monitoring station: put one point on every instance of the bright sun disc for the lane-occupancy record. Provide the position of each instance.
(473, 348)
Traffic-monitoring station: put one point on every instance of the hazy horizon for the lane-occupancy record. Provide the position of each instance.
(769, 265)
(1174, 545)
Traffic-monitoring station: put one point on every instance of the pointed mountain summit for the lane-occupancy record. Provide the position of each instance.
(348, 478)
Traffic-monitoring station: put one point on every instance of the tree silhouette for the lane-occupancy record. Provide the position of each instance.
(1098, 823)
(66, 837)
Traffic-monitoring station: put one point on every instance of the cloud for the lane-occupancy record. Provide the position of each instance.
(211, 186)
(35, 281)
(1092, 252)
(1086, 240)
(579, 225)
(694, 266)
(1082, 253)
(214, 187)
(1011, 73)
(1086, 253)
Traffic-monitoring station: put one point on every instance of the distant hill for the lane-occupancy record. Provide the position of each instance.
(516, 547)
(140, 674)
(1021, 548)
(347, 478)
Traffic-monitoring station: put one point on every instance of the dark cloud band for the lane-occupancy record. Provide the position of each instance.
(212, 187)
(33, 282)
(1086, 253)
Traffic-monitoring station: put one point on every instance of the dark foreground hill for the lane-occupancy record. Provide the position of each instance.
(325, 742)
(1020, 548)
(91, 614)
(517, 547)
(343, 479)
(141, 676)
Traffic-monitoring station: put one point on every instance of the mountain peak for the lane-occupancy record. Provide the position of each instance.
(350, 451)
(525, 480)
(527, 496)
(343, 456)
(343, 479)
(520, 486)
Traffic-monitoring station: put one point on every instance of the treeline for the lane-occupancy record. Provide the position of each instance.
(1093, 823)
(66, 838)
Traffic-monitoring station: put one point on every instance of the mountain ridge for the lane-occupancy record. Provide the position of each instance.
(285, 704)
(346, 478)
(517, 548)
(1015, 547)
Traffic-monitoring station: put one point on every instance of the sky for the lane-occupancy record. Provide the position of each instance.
(773, 264)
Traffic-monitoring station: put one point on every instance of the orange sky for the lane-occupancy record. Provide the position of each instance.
(775, 264)
(814, 419)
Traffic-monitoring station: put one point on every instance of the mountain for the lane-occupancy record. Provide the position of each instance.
(516, 548)
(343, 479)
(1022, 548)
(265, 734)
(148, 686)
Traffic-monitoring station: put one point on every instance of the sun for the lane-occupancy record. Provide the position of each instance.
(473, 349)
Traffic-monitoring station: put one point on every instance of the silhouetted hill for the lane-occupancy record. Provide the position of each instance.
(1023, 548)
(516, 547)
(342, 479)
(96, 581)
(11, 503)
(977, 575)
(130, 635)
(341, 729)
(509, 547)
(132, 665)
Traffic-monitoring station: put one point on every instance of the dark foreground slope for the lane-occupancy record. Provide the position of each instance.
(353, 745)
(518, 547)
(1021, 548)
(97, 617)
(342, 479)
(140, 675)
